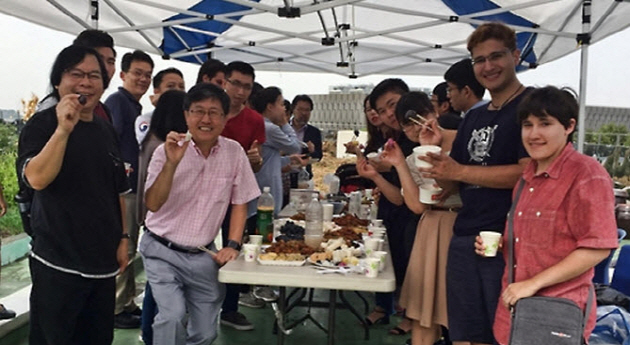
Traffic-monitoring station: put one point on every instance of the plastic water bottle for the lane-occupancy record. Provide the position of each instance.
(264, 216)
(314, 223)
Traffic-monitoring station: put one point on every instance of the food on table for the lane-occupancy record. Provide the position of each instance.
(281, 257)
(290, 231)
(347, 233)
(290, 247)
(299, 216)
(350, 220)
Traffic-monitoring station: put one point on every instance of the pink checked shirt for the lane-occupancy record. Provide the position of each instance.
(202, 189)
(569, 206)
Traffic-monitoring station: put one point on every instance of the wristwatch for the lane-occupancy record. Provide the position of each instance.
(234, 245)
(125, 235)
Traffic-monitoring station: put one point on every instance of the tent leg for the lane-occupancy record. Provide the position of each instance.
(584, 41)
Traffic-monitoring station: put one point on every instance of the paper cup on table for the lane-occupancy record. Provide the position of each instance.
(490, 241)
(377, 222)
(250, 251)
(328, 211)
(380, 255)
(422, 151)
(371, 245)
(379, 244)
(255, 239)
(429, 193)
(379, 235)
(371, 267)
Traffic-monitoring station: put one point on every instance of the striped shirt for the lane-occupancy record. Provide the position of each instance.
(201, 191)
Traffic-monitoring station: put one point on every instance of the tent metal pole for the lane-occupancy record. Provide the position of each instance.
(585, 42)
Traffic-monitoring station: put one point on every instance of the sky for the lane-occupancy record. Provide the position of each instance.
(27, 52)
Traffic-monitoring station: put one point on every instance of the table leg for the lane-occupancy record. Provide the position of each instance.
(281, 306)
(331, 317)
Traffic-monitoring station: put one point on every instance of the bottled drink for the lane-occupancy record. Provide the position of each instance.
(264, 216)
(314, 224)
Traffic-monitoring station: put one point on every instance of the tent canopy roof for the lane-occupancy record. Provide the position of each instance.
(347, 37)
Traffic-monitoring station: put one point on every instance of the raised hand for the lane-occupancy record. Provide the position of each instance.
(253, 154)
(392, 154)
(430, 134)
(175, 146)
(365, 169)
(68, 112)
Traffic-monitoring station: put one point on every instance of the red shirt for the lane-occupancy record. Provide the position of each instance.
(569, 206)
(246, 127)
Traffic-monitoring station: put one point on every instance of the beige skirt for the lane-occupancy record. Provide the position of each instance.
(423, 293)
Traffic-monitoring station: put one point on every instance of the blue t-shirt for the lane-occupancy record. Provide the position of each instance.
(487, 137)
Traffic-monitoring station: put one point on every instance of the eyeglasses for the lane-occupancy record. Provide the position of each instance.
(139, 74)
(239, 85)
(77, 74)
(200, 113)
(492, 57)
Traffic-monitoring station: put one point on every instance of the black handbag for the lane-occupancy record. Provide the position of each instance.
(541, 320)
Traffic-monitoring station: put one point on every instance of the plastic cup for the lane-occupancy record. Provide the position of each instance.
(380, 255)
(371, 267)
(250, 251)
(422, 151)
(328, 211)
(429, 193)
(491, 241)
(377, 222)
(256, 239)
(371, 245)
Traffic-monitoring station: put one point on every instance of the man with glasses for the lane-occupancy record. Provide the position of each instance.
(485, 163)
(103, 43)
(463, 90)
(125, 107)
(311, 136)
(190, 184)
(247, 127)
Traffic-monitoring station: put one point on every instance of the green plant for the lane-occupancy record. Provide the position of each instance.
(11, 223)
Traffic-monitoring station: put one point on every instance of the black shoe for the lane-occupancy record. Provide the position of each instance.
(6, 313)
(126, 321)
(136, 312)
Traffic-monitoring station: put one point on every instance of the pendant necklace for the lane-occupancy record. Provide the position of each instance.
(507, 100)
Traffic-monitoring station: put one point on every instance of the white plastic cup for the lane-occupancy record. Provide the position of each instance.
(380, 255)
(429, 193)
(379, 246)
(490, 240)
(328, 211)
(255, 239)
(377, 222)
(371, 267)
(422, 151)
(379, 235)
(250, 251)
(371, 245)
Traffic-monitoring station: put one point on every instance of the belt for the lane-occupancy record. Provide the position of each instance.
(449, 209)
(174, 246)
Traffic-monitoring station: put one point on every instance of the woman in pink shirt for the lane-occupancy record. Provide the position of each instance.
(564, 221)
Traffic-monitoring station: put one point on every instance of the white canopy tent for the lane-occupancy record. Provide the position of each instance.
(347, 37)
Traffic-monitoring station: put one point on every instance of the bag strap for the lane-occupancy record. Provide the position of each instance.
(510, 230)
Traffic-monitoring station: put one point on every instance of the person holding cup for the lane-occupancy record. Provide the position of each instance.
(564, 219)
(423, 292)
